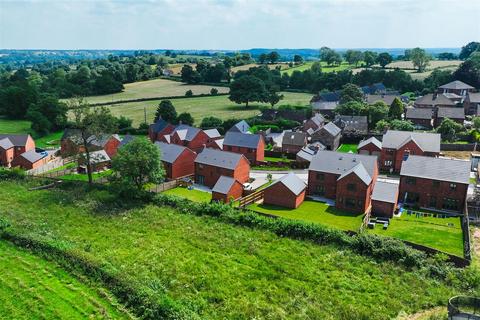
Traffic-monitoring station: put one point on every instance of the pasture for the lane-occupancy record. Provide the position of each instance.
(434, 64)
(201, 107)
(8, 126)
(153, 89)
(283, 66)
(33, 288)
(217, 270)
(325, 68)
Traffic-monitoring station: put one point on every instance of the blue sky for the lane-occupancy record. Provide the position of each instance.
(237, 24)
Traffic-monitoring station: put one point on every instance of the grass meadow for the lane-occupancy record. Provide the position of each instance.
(220, 271)
(33, 288)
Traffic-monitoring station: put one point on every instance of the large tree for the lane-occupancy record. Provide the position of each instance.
(369, 57)
(137, 164)
(469, 70)
(330, 56)
(185, 118)
(47, 114)
(166, 111)
(351, 92)
(353, 56)
(396, 109)
(297, 59)
(211, 123)
(384, 58)
(248, 89)
(449, 129)
(468, 49)
(273, 56)
(420, 59)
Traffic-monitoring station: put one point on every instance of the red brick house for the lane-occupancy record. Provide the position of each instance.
(329, 135)
(216, 144)
(456, 114)
(293, 142)
(157, 130)
(433, 101)
(472, 103)
(252, 146)
(227, 189)
(397, 145)
(211, 164)
(31, 159)
(288, 191)
(99, 160)
(370, 146)
(436, 183)
(347, 178)
(456, 87)
(72, 143)
(178, 161)
(241, 126)
(107, 142)
(13, 145)
(384, 199)
(313, 124)
(193, 138)
(420, 117)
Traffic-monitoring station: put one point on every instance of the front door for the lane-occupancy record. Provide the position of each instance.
(200, 179)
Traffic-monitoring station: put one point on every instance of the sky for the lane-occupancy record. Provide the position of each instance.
(237, 24)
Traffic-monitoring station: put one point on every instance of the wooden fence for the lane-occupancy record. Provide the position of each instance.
(183, 181)
(251, 198)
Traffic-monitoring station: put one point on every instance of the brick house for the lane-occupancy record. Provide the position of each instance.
(210, 164)
(433, 101)
(472, 103)
(352, 125)
(226, 189)
(157, 130)
(216, 144)
(293, 142)
(384, 199)
(313, 124)
(252, 146)
(325, 103)
(347, 178)
(397, 145)
(178, 161)
(99, 160)
(288, 191)
(420, 117)
(31, 159)
(329, 135)
(456, 87)
(370, 146)
(13, 145)
(386, 98)
(455, 113)
(307, 152)
(190, 137)
(241, 126)
(437, 183)
(72, 143)
(107, 142)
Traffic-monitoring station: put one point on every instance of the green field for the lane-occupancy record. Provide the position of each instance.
(154, 88)
(194, 195)
(314, 211)
(84, 177)
(218, 270)
(325, 68)
(428, 231)
(344, 147)
(201, 107)
(14, 126)
(33, 288)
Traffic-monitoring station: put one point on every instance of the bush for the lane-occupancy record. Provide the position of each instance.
(189, 93)
(12, 174)
(214, 91)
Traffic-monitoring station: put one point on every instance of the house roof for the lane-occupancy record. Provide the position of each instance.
(324, 105)
(372, 140)
(219, 143)
(218, 158)
(294, 138)
(126, 139)
(332, 129)
(185, 132)
(102, 140)
(474, 97)
(340, 163)
(224, 184)
(169, 152)
(433, 99)
(442, 169)
(72, 134)
(333, 96)
(429, 142)
(6, 144)
(318, 119)
(18, 140)
(212, 133)
(360, 171)
(98, 157)
(32, 156)
(419, 113)
(374, 88)
(452, 113)
(387, 98)
(352, 123)
(239, 139)
(292, 182)
(241, 126)
(158, 126)
(458, 85)
(385, 192)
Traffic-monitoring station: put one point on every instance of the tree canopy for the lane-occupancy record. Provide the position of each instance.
(166, 111)
(468, 49)
(384, 58)
(248, 89)
(420, 59)
(351, 92)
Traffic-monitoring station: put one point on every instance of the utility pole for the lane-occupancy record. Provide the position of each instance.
(145, 113)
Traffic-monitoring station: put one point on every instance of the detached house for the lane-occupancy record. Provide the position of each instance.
(420, 117)
(241, 126)
(329, 135)
(433, 101)
(178, 161)
(72, 143)
(313, 124)
(211, 164)
(157, 130)
(227, 189)
(370, 146)
(384, 199)
(293, 142)
(252, 146)
(13, 145)
(456, 87)
(352, 125)
(398, 145)
(31, 159)
(288, 191)
(107, 142)
(190, 137)
(472, 103)
(436, 183)
(456, 114)
(347, 178)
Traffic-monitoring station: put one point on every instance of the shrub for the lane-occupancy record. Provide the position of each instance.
(12, 174)
(189, 93)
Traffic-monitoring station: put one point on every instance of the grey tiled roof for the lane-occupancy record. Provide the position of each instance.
(6, 144)
(18, 140)
(360, 171)
(242, 139)
(459, 85)
(158, 126)
(212, 133)
(352, 123)
(332, 129)
(474, 97)
(318, 119)
(433, 99)
(218, 158)
(294, 138)
(385, 192)
(102, 140)
(98, 157)
(452, 113)
(292, 182)
(373, 140)
(419, 113)
(442, 169)
(324, 105)
(185, 132)
(128, 138)
(388, 99)
(169, 152)
(339, 163)
(32, 156)
(429, 142)
(241, 126)
(223, 185)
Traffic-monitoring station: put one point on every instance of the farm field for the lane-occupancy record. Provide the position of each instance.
(33, 288)
(200, 107)
(154, 88)
(215, 269)
(14, 126)
(325, 68)
(283, 66)
(444, 234)
(434, 64)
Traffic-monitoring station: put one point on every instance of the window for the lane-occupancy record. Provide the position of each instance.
(200, 166)
(436, 184)
(350, 203)
(229, 148)
(451, 204)
(388, 163)
(360, 203)
(453, 186)
(200, 179)
(389, 151)
(412, 197)
(433, 201)
(320, 176)
(320, 190)
(410, 180)
(351, 187)
(250, 150)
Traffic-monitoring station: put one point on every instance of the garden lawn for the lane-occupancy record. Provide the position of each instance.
(50, 140)
(194, 195)
(347, 148)
(314, 211)
(273, 159)
(201, 107)
(33, 288)
(427, 231)
(84, 177)
(219, 270)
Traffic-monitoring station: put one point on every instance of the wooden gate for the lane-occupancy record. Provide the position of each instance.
(251, 198)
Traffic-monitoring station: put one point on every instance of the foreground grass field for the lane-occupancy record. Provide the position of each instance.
(32, 288)
(201, 107)
(444, 234)
(194, 195)
(218, 270)
(154, 88)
